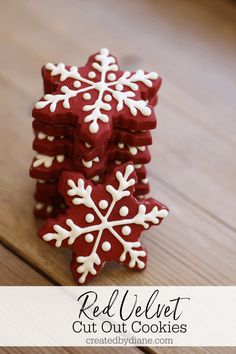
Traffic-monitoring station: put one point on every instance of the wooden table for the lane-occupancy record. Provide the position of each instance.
(192, 45)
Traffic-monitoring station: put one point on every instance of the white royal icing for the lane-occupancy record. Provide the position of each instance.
(110, 87)
(89, 217)
(87, 145)
(126, 230)
(103, 204)
(95, 178)
(87, 96)
(144, 180)
(42, 136)
(106, 246)
(89, 164)
(89, 238)
(91, 74)
(132, 149)
(47, 161)
(124, 211)
(39, 206)
(49, 209)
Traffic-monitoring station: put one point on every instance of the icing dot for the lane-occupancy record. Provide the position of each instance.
(119, 87)
(89, 238)
(133, 150)
(41, 135)
(39, 206)
(91, 74)
(77, 84)
(106, 246)
(41, 181)
(95, 178)
(87, 145)
(123, 211)
(89, 217)
(121, 146)
(49, 209)
(60, 158)
(126, 230)
(103, 204)
(86, 96)
(145, 180)
(107, 98)
(111, 77)
(117, 162)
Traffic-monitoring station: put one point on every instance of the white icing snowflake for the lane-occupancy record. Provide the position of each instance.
(110, 85)
(103, 222)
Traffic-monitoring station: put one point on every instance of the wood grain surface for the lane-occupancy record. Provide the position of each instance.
(192, 45)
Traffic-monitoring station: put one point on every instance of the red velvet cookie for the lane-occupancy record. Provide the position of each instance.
(50, 167)
(103, 222)
(96, 95)
(48, 145)
(126, 136)
(50, 209)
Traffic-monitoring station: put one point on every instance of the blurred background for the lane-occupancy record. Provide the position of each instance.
(192, 45)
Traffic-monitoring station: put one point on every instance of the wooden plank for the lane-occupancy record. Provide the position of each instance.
(17, 272)
(197, 100)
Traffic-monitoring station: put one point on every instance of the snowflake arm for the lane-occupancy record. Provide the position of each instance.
(52, 100)
(124, 183)
(127, 99)
(105, 63)
(64, 73)
(62, 234)
(96, 114)
(87, 265)
(72, 73)
(153, 217)
(130, 248)
(129, 80)
(88, 262)
(83, 195)
(135, 254)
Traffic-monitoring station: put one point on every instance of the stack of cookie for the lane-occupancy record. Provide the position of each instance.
(91, 119)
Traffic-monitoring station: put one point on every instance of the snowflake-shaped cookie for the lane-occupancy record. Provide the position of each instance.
(102, 222)
(94, 96)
